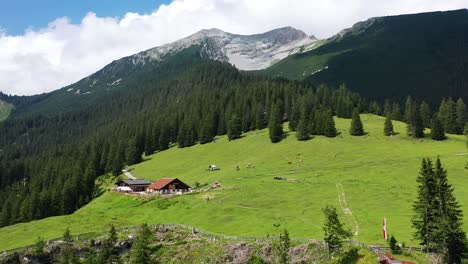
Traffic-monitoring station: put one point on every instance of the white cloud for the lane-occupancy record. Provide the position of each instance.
(50, 58)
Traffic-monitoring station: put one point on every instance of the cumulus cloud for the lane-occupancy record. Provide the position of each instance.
(62, 53)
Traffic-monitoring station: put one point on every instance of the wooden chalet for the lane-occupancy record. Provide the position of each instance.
(137, 185)
(169, 186)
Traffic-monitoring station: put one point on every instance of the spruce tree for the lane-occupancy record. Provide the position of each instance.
(437, 129)
(461, 116)
(294, 116)
(388, 126)
(425, 113)
(235, 127)
(356, 125)
(426, 205)
(396, 112)
(110, 252)
(448, 116)
(133, 154)
(141, 249)
(329, 129)
(118, 160)
(260, 120)
(206, 131)
(302, 127)
(163, 140)
(302, 132)
(415, 126)
(387, 108)
(275, 126)
(334, 230)
(67, 255)
(408, 108)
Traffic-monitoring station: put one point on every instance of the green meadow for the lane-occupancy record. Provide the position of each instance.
(372, 177)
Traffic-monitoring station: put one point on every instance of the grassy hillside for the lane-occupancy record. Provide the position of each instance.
(391, 57)
(375, 174)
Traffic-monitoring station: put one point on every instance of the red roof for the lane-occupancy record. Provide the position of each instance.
(158, 185)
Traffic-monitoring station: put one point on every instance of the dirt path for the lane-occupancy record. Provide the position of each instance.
(346, 210)
(128, 174)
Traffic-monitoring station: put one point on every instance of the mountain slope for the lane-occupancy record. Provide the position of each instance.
(246, 52)
(370, 170)
(425, 55)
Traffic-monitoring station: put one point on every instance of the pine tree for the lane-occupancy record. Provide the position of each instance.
(437, 129)
(141, 251)
(449, 235)
(388, 126)
(394, 246)
(408, 109)
(260, 120)
(110, 252)
(206, 130)
(426, 205)
(118, 160)
(415, 126)
(461, 116)
(425, 112)
(356, 125)
(163, 140)
(294, 116)
(235, 127)
(66, 250)
(133, 153)
(329, 129)
(387, 108)
(448, 116)
(275, 126)
(334, 230)
(302, 127)
(396, 112)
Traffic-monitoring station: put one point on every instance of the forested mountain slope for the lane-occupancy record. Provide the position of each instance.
(424, 55)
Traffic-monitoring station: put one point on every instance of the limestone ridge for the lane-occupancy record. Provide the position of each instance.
(246, 52)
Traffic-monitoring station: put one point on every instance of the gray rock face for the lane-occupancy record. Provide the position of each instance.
(246, 52)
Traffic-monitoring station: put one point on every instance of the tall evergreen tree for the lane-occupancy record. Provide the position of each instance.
(461, 116)
(133, 153)
(356, 125)
(334, 230)
(387, 108)
(388, 126)
(260, 117)
(426, 205)
(396, 112)
(163, 140)
(110, 252)
(425, 112)
(235, 127)
(67, 255)
(414, 124)
(275, 126)
(118, 160)
(450, 237)
(437, 129)
(294, 116)
(141, 251)
(448, 116)
(329, 129)
(408, 109)
(302, 127)
(206, 130)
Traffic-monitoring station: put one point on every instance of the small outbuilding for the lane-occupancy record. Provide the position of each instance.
(137, 185)
(169, 186)
(213, 168)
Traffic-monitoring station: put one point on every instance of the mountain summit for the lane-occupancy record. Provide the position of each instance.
(246, 52)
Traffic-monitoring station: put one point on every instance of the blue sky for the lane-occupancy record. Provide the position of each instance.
(18, 15)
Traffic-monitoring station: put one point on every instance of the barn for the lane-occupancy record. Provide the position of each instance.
(137, 185)
(169, 186)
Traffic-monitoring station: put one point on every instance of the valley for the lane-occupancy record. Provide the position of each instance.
(377, 175)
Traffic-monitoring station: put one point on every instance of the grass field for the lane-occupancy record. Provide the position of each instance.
(374, 175)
